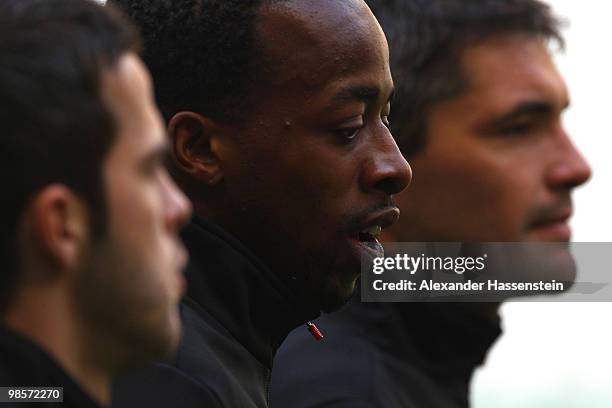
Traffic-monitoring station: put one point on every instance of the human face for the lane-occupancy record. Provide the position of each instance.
(498, 164)
(314, 166)
(131, 282)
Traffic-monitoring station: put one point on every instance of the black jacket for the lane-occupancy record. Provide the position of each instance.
(25, 364)
(235, 315)
(384, 355)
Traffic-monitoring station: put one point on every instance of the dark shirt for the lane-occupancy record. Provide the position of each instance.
(24, 364)
(384, 355)
(235, 315)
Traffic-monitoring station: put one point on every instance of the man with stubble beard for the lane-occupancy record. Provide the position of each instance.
(478, 112)
(278, 116)
(90, 253)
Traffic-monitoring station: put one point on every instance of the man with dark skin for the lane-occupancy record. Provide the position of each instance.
(90, 254)
(278, 115)
(478, 112)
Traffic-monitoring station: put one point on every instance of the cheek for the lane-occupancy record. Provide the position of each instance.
(144, 252)
(145, 266)
(136, 215)
(467, 198)
(297, 182)
(508, 198)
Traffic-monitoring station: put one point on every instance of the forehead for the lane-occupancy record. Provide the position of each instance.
(313, 42)
(126, 87)
(509, 69)
(127, 92)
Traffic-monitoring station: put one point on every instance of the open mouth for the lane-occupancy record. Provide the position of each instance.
(369, 239)
(370, 234)
(368, 231)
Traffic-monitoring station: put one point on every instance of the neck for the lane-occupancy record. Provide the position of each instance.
(265, 310)
(488, 311)
(45, 316)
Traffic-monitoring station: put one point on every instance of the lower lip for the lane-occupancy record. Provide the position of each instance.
(181, 284)
(370, 249)
(181, 281)
(556, 231)
(183, 260)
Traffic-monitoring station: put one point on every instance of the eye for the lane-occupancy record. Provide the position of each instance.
(517, 129)
(385, 115)
(385, 121)
(347, 133)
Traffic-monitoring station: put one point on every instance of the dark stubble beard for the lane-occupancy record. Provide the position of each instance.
(113, 309)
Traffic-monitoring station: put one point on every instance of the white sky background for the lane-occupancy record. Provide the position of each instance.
(560, 354)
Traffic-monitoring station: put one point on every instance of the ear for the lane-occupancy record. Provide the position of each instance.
(194, 141)
(59, 224)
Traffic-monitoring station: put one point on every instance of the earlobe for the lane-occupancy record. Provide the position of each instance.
(60, 225)
(194, 140)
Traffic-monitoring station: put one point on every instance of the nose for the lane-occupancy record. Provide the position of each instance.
(177, 208)
(569, 169)
(386, 169)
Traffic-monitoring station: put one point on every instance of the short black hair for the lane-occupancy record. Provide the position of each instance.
(426, 40)
(55, 126)
(202, 54)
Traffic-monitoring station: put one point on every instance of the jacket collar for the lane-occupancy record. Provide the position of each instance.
(242, 294)
(453, 338)
(27, 364)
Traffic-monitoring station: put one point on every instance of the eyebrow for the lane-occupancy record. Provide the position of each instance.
(529, 108)
(364, 94)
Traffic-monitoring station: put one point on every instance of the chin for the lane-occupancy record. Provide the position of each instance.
(162, 340)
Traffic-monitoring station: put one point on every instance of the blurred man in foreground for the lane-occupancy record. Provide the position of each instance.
(478, 112)
(279, 127)
(90, 255)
